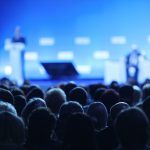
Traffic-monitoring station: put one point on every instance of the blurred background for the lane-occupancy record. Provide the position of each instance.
(93, 35)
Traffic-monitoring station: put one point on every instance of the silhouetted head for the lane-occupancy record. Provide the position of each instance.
(114, 85)
(80, 133)
(5, 87)
(93, 87)
(98, 94)
(69, 108)
(7, 107)
(41, 126)
(16, 91)
(126, 94)
(32, 105)
(6, 96)
(117, 108)
(19, 103)
(132, 128)
(66, 110)
(54, 99)
(12, 129)
(68, 87)
(146, 90)
(5, 83)
(79, 94)
(137, 95)
(109, 98)
(25, 89)
(99, 115)
(35, 92)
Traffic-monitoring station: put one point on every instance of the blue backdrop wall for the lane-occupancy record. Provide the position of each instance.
(106, 28)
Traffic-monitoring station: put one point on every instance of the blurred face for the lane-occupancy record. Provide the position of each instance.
(17, 32)
(134, 47)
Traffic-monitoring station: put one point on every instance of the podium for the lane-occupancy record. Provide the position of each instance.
(116, 70)
(16, 58)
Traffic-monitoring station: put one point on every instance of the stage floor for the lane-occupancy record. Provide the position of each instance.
(45, 83)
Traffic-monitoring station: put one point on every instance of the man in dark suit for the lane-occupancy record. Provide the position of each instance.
(132, 64)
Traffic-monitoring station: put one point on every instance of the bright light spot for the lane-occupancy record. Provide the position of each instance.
(101, 54)
(31, 56)
(132, 71)
(46, 41)
(8, 70)
(118, 40)
(42, 70)
(65, 55)
(84, 69)
(82, 41)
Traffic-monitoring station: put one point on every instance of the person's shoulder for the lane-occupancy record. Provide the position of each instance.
(128, 56)
(20, 39)
(23, 40)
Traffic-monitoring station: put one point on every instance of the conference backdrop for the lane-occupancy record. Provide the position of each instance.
(87, 33)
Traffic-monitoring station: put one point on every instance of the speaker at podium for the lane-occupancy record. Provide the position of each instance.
(59, 70)
(16, 58)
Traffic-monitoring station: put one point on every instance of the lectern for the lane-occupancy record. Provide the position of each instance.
(16, 58)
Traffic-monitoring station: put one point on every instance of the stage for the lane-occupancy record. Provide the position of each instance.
(95, 36)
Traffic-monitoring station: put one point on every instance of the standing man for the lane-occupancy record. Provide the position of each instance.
(17, 57)
(132, 64)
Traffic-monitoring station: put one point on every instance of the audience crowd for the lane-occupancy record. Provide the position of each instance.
(69, 116)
